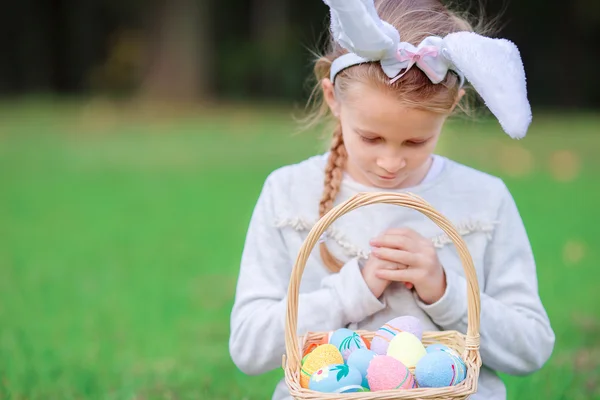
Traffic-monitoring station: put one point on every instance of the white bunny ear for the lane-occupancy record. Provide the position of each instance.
(495, 69)
(356, 26)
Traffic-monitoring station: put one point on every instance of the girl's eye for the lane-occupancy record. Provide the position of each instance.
(416, 144)
(368, 139)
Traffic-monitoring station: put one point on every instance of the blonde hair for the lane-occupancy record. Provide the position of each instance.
(415, 20)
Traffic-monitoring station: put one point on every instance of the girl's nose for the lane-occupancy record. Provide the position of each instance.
(391, 164)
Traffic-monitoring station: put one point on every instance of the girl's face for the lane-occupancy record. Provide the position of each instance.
(389, 145)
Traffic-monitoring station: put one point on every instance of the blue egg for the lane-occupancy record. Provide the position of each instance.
(460, 364)
(437, 347)
(347, 341)
(438, 369)
(336, 378)
(360, 359)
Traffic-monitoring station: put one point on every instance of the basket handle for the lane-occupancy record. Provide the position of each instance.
(363, 199)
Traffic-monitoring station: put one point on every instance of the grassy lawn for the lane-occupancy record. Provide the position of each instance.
(121, 232)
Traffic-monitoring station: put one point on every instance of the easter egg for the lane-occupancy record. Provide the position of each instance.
(360, 359)
(320, 357)
(314, 345)
(406, 348)
(386, 373)
(346, 341)
(337, 378)
(440, 347)
(367, 342)
(437, 369)
(384, 335)
(461, 368)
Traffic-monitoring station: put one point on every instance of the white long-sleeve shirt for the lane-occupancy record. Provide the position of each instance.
(516, 336)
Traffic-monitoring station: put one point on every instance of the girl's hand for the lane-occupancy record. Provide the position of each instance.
(416, 262)
(369, 272)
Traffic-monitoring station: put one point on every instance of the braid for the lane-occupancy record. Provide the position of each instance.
(333, 180)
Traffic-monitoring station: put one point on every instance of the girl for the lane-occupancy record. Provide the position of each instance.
(393, 74)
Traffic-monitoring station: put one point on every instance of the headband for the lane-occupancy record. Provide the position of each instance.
(492, 66)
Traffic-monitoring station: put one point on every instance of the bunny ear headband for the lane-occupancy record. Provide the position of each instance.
(492, 66)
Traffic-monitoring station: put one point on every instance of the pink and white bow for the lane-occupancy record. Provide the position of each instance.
(492, 66)
(427, 57)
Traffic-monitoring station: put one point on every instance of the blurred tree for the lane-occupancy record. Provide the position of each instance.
(270, 22)
(196, 49)
(120, 73)
(180, 50)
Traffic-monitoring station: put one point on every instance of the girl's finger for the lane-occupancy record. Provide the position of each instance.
(394, 242)
(410, 233)
(394, 255)
(398, 275)
(392, 265)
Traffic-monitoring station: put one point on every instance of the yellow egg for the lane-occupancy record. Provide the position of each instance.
(320, 357)
(406, 348)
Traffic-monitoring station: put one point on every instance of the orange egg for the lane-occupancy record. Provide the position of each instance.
(313, 346)
(309, 348)
(367, 342)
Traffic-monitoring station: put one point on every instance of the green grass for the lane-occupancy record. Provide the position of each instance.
(121, 232)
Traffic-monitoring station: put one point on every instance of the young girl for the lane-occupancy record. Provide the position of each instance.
(394, 72)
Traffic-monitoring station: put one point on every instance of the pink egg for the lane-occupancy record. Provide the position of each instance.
(387, 373)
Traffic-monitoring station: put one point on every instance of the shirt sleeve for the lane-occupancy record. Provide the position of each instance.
(257, 337)
(516, 336)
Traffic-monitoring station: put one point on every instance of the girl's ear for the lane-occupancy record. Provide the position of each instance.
(329, 96)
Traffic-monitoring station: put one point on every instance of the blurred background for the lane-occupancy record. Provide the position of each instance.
(135, 137)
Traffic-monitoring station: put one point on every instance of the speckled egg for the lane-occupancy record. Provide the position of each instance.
(461, 368)
(406, 348)
(320, 357)
(386, 373)
(384, 335)
(437, 369)
(338, 378)
(360, 359)
(346, 342)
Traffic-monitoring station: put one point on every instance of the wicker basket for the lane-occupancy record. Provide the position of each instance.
(466, 345)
